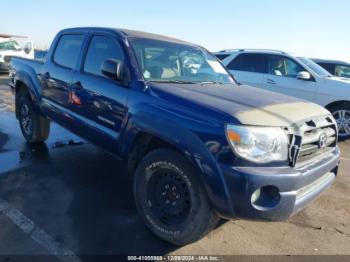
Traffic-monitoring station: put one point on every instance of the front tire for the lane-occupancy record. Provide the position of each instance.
(171, 198)
(34, 127)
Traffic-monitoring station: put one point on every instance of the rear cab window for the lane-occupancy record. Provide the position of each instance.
(67, 50)
(249, 62)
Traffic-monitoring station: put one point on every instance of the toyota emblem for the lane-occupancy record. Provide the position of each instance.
(322, 140)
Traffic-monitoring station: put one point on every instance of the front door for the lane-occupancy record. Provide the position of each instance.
(99, 101)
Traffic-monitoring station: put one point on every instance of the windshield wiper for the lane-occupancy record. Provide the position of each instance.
(186, 82)
(211, 82)
(173, 81)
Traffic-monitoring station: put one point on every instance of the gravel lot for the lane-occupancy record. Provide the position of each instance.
(79, 197)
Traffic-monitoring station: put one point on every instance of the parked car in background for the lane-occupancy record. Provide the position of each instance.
(10, 46)
(336, 68)
(296, 76)
(197, 145)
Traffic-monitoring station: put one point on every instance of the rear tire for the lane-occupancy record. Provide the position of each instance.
(34, 127)
(341, 114)
(171, 198)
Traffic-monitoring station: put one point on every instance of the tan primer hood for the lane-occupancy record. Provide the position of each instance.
(281, 114)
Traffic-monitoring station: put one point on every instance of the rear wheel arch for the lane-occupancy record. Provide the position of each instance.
(21, 87)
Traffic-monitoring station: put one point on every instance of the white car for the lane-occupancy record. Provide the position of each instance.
(13, 46)
(295, 76)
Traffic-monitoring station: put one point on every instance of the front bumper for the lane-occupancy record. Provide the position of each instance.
(288, 189)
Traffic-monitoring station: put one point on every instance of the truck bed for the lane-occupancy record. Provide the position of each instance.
(25, 63)
(29, 68)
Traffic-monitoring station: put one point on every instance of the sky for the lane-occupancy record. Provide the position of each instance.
(312, 28)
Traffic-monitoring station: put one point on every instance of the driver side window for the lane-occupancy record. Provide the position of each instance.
(100, 49)
(283, 66)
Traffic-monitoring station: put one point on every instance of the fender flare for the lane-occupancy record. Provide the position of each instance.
(29, 79)
(32, 85)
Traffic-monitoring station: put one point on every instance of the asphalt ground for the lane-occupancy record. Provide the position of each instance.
(68, 199)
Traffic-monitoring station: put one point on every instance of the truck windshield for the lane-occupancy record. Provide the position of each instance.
(162, 61)
(9, 45)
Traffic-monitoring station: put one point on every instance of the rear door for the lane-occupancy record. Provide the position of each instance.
(57, 73)
(281, 77)
(248, 69)
(99, 101)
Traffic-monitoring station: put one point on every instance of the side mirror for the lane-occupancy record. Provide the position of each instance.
(28, 47)
(26, 50)
(303, 75)
(112, 68)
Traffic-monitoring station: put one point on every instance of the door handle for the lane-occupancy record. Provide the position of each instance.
(77, 86)
(270, 81)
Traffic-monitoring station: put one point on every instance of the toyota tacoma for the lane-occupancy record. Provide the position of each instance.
(198, 146)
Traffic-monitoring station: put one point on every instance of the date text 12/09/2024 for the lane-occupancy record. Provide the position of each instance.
(173, 258)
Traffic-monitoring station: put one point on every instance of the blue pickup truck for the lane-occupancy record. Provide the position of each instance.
(199, 146)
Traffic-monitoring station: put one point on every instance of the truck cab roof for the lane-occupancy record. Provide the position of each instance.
(126, 33)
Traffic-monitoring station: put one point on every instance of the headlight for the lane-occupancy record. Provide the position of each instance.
(258, 144)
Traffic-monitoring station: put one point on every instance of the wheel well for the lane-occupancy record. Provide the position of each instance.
(337, 103)
(143, 144)
(21, 89)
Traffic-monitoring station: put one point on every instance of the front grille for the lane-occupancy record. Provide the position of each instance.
(314, 137)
